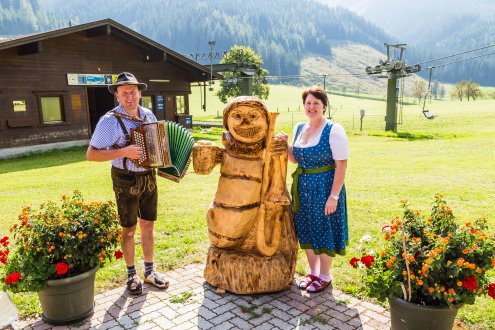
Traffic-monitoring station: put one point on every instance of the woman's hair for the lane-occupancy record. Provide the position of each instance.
(317, 92)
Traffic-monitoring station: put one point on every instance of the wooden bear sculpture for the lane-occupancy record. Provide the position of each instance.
(253, 243)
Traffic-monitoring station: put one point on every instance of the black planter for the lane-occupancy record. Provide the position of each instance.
(409, 316)
(68, 300)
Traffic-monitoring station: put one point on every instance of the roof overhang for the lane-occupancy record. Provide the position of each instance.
(153, 51)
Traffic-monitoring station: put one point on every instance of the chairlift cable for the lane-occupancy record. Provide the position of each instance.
(463, 60)
(448, 56)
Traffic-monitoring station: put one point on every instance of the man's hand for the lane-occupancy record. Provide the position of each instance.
(133, 152)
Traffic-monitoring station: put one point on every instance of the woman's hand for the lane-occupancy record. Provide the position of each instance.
(330, 206)
(282, 136)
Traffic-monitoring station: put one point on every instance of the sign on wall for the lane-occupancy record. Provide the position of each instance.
(19, 105)
(159, 103)
(84, 79)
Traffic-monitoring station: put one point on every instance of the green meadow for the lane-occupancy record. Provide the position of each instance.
(453, 154)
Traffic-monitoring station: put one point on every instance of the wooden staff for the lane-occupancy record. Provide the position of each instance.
(268, 249)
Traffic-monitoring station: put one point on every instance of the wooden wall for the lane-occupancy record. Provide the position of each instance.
(25, 77)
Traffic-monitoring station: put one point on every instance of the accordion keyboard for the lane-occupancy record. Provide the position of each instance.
(139, 141)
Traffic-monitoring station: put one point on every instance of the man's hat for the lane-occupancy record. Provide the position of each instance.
(126, 78)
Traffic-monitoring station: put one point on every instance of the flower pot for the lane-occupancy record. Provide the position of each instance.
(68, 300)
(411, 316)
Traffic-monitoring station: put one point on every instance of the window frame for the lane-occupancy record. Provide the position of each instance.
(62, 95)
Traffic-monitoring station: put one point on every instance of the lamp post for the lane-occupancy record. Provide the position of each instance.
(212, 44)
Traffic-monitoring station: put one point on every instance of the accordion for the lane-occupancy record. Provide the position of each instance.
(166, 146)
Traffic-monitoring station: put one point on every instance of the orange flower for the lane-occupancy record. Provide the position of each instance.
(460, 262)
(411, 259)
(393, 259)
(459, 283)
(465, 251)
(431, 289)
(389, 264)
(420, 282)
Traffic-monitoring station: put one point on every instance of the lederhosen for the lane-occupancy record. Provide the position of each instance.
(135, 192)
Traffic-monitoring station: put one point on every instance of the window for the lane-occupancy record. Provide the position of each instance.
(181, 104)
(52, 109)
(146, 102)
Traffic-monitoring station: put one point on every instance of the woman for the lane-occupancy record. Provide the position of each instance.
(320, 149)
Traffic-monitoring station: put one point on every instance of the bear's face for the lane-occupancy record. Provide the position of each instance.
(247, 124)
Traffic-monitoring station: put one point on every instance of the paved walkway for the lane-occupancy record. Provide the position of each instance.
(190, 303)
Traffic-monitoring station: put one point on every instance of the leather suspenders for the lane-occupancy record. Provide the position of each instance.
(119, 117)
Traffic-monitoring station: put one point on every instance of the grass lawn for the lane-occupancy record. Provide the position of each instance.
(453, 154)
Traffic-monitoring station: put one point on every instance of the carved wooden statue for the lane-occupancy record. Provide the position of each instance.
(253, 243)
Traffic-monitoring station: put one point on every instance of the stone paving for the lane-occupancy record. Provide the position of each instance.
(190, 303)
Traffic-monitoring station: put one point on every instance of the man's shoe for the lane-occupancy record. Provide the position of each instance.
(134, 285)
(156, 279)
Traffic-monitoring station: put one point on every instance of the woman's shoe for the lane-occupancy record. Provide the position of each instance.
(318, 285)
(304, 284)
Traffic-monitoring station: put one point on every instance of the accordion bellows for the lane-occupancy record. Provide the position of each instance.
(166, 146)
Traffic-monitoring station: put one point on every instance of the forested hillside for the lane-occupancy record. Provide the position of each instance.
(283, 32)
(19, 17)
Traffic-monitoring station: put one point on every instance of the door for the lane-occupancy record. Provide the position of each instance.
(170, 108)
(100, 101)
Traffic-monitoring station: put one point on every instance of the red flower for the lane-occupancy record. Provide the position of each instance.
(4, 241)
(3, 256)
(13, 278)
(118, 254)
(61, 268)
(491, 290)
(470, 283)
(367, 260)
(354, 262)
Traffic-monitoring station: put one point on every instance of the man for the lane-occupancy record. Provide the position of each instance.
(135, 188)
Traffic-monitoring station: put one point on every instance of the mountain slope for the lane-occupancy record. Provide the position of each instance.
(435, 29)
(281, 31)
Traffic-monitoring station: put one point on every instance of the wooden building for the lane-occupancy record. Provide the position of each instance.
(53, 85)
